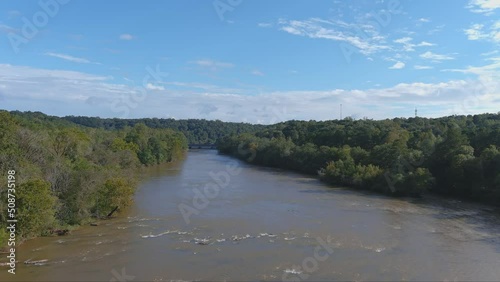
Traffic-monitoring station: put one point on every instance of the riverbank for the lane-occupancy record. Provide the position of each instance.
(59, 174)
(136, 176)
(487, 204)
(457, 156)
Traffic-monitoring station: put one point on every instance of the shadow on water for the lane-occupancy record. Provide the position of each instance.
(479, 222)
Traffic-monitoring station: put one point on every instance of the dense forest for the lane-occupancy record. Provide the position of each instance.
(197, 131)
(457, 155)
(66, 174)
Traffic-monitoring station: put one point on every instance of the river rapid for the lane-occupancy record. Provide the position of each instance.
(268, 224)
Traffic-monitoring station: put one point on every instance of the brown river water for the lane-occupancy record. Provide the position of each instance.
(268, 224)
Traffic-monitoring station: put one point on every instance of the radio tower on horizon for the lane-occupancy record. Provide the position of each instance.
(416, 112)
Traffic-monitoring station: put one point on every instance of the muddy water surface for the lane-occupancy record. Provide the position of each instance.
(269, 224)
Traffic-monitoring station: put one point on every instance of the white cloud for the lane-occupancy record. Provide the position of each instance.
(484, 6)
(70, 58)
(151, 86)
(397, 66)
(424, 20)
(404, 40)
(425, 44)
(419, 67)
(62, 92)
(408, 46)
(435, 57)
(257, 73)
(475, 32)
(126, 36)
(479, 32)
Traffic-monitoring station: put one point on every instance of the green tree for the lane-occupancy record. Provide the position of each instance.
(116, 192)
(35, 208)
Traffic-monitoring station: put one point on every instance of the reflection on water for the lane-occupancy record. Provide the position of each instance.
(269, 224)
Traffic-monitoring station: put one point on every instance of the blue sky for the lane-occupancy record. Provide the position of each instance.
(253, 61)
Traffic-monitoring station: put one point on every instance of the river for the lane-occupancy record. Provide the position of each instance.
(268, 224)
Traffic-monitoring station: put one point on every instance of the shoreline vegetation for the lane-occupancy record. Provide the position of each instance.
(68, 175)
(455, 156)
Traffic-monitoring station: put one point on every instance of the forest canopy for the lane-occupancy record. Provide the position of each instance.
(455, 155)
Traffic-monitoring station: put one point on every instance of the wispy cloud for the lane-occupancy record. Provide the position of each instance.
(212, 64)
(7, 29)
(489, 71)
(126, 36)
(425, 44)
(487, 54)
(397, 66)
(257, 73)
(203, 86)
(13, 14)
(76, 37)
(70, 58)
(265, 25)
(408, 46)
(435, 57)
(420, 67)
(484, 6)
(424, 20)
(436, 29)
(339, 31)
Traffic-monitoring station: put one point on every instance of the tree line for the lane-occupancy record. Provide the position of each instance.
(67, 174)
(456, 155)
(197, 131)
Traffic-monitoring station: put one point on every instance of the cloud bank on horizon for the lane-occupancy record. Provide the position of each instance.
(258, 61)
